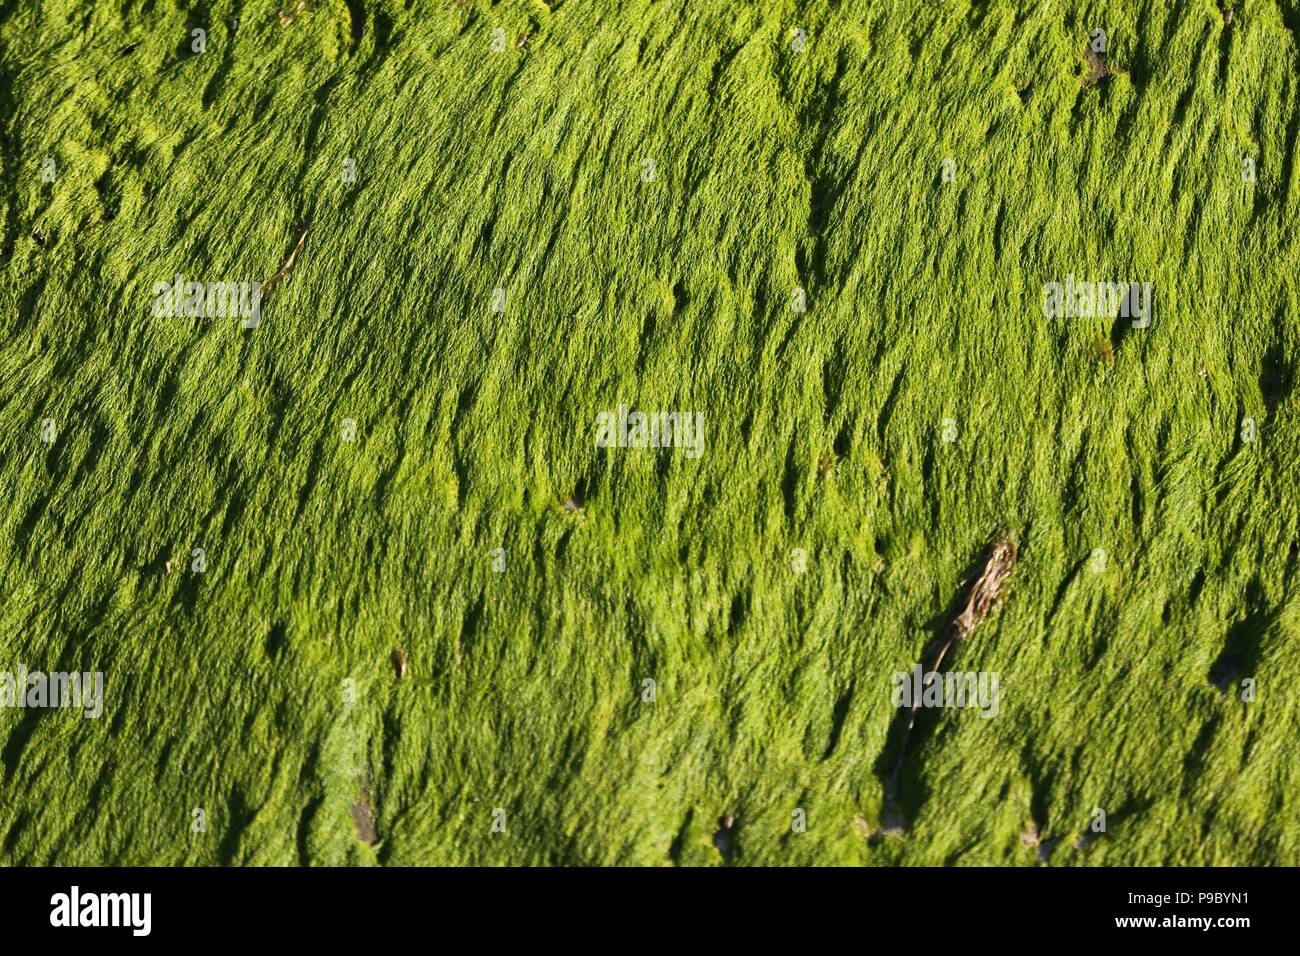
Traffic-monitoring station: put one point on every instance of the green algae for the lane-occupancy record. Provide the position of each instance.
(524, 171)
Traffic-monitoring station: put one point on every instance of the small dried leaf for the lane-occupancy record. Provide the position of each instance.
(363, 817)
(1096, 68)
(291, 12)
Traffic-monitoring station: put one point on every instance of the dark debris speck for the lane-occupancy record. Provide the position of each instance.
(1223, 671)
(723, 838)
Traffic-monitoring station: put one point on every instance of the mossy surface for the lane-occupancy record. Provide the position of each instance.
(525, 170)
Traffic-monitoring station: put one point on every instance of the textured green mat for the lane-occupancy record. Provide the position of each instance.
(476, 416)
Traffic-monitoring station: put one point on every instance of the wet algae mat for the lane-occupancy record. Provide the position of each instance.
(873, 260)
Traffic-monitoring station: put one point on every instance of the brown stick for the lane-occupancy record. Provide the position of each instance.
(288, 263)
(985, 596)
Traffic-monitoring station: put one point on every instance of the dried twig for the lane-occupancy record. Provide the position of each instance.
(285, 269)
(986, 595)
